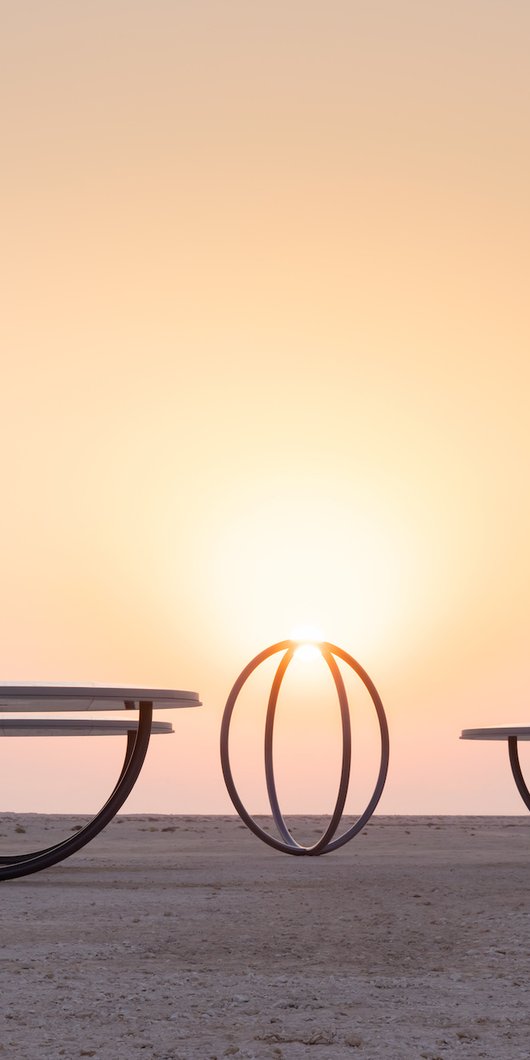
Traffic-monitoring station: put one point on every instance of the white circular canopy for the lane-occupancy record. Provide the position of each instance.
(497, 732)
(69, 727)
(55, 697)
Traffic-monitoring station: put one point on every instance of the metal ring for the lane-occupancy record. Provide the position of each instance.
(327, 843)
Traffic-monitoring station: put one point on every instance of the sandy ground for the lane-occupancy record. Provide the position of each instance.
(185, 937)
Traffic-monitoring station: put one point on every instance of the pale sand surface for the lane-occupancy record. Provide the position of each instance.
(184, 937)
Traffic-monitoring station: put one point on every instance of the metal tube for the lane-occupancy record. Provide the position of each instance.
(7, 859)
(288, 844)
(517, 772)
(134, 759)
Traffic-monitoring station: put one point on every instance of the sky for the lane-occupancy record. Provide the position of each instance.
(264, 348)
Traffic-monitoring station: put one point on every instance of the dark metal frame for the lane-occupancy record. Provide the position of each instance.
(289, 845)
(517, 772)
(138, 737)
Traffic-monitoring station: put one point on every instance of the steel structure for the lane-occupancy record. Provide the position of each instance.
(328, 842)
(138, 730)
(512, 734)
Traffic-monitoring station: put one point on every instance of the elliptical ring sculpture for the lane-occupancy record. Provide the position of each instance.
(328, 842)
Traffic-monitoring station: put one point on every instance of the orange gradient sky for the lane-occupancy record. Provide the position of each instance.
(265, 336)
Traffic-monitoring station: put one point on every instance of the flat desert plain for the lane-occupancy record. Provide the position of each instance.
(185, 937)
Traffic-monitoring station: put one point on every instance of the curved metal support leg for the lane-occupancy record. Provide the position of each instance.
(517, 772)
(7, 859)
(134, 760)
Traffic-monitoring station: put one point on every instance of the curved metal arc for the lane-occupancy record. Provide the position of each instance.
(385, 748)
(269, 765)
(322, 846)
(291, 842)
(270, 840)
(517, 772)
(130, 772)
(11, 860)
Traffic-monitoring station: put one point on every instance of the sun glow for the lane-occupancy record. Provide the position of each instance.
(307, 652)
(356, 563)
(310, 638)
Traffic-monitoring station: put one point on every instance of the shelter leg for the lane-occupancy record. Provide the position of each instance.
(11, 859)
(517, 772)
(134, 759)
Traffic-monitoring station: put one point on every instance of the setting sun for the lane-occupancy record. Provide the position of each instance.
(310, 638)
(307, 652)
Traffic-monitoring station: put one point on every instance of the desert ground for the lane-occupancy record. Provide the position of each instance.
(185, 937)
